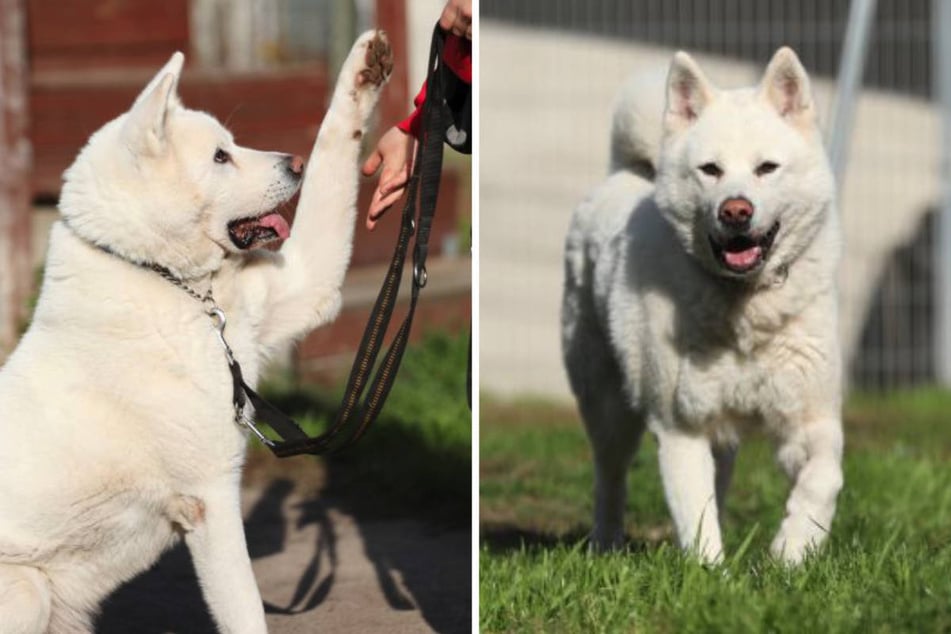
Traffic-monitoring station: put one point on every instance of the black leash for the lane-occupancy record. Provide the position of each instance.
(364, 396)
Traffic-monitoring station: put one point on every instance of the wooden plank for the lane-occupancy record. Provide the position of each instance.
(15, 274)
(396, 102)
(83, 33)
(277, 110)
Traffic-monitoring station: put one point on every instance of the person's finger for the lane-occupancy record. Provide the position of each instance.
(397, 180)
(374, 211)
(469, 32)
(448, 17)
(380, 206)
(372, 164)
(387, 201)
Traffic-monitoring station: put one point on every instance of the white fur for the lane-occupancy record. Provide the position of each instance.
(658, 334)
(119, 431)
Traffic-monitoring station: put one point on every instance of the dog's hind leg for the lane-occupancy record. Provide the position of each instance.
(615, 432)
(24, 600)
(724, 456)
(614, 428)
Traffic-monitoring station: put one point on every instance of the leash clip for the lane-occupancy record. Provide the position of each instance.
(243, 419)
(218, 316)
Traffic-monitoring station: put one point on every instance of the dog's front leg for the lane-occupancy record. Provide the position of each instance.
(304, 287)
(688, 473)
(811, 456)
(214, 533)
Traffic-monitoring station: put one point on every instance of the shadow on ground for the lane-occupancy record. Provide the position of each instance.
(504, 538)
(409, 502)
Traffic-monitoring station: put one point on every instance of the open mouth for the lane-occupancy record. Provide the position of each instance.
(745, 253)
(256, 231)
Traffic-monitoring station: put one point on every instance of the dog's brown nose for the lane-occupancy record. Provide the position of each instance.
(735, 212)
(295, 164)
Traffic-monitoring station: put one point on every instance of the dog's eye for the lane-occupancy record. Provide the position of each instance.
(711, 169)
(766, 167)
(222, 157)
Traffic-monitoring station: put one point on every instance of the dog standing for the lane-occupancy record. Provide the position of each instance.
(120, 435)
(700, 293)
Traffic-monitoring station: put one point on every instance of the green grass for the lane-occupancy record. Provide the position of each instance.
(416, 458)
(886, 567)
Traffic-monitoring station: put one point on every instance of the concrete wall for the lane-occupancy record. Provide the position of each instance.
(546, 102)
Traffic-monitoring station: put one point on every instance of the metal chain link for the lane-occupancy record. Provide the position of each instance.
(177, 281)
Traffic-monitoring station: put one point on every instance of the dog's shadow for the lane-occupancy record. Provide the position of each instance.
(410, 575)
(503, 539)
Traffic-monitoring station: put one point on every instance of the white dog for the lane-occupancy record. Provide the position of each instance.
(118, 426)
(707, 299)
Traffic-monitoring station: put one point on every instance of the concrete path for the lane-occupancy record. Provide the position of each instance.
(320, 567)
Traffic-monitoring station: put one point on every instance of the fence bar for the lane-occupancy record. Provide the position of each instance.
(851, 69)
(942, 253)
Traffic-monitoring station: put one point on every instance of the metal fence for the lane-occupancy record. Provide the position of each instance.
(896, 332)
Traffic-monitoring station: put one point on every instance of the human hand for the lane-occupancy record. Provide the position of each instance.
(394, 151)
(457, 18)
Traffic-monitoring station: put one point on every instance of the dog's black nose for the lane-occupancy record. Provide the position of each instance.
(295, 165)
(735, 213)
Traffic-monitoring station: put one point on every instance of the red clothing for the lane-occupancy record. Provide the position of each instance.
(457, 55)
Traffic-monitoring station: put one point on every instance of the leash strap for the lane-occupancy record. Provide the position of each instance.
(364, 396)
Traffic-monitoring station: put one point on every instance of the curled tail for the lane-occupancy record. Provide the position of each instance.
(637, 124)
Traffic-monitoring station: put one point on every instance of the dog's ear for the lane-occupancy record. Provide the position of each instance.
(145, 126)
(688, 93)
(785, 86)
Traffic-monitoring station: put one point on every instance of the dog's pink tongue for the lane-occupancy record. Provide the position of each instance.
(276, 222)
(743, 259)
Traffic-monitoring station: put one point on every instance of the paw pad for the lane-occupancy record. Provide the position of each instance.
(379, 61)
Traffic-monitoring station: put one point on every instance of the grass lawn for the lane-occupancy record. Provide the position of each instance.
(885, 568)
(416, 459)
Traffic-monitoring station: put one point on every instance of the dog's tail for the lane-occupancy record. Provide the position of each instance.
(638, 124)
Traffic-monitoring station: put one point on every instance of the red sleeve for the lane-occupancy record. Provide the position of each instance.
(410, 125)
(458, 57)
(457, 54)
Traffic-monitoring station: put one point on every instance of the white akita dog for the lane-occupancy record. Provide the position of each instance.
(707, 298)
(120, 435)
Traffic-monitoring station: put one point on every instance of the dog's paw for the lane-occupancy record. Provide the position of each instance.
(364, 73)
(793, 550)
(377, 55)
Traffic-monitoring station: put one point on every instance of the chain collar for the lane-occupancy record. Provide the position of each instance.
(206, 299)
(210, 308)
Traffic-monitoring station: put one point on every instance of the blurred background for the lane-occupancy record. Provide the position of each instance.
(266, 67)
(551, 70)
(376, 539)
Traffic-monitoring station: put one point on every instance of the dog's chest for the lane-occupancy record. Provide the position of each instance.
(191, 348)
(768, 384)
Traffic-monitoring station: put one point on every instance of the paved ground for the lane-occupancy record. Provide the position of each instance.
(321, 566)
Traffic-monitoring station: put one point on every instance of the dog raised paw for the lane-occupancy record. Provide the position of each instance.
(363, 75)
(378, 59)
(370, 62)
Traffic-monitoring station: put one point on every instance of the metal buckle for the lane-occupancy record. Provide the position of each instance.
(242, 419)
(420, 276)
